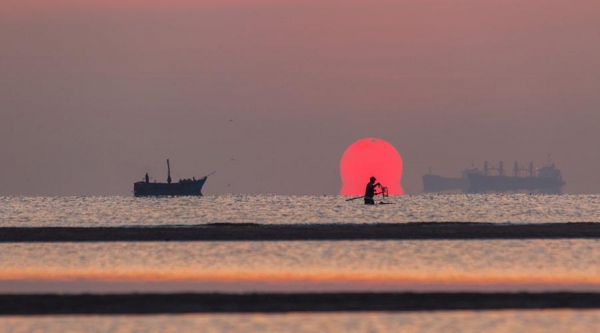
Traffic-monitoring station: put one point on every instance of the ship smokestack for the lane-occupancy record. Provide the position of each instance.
(531, 169)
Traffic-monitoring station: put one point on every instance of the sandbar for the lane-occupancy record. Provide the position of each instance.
(303, 232)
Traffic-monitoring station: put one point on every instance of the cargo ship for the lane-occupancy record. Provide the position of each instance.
(547, 180)
(185, 187)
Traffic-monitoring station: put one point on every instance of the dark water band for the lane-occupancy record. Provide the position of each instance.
(304, 232)
(282, 303)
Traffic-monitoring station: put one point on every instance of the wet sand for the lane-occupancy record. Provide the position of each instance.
(280, 303)
(304, 232)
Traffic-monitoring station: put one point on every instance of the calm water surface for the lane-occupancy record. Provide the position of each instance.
(556, 321)
(302, 266)
(123, 211)
(429, 265)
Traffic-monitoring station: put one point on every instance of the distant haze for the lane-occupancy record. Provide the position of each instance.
(94, 94)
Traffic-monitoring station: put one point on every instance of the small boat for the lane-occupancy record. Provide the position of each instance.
(191, 187)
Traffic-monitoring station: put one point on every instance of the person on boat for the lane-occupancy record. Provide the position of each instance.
(370, 191)
(147, 178)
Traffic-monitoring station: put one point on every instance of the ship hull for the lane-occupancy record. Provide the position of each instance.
(435, 183)
(182, 188)
(483, 184)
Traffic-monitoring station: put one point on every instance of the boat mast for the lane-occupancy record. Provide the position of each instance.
(169, 172)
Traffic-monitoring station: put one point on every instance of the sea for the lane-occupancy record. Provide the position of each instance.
(507, 265)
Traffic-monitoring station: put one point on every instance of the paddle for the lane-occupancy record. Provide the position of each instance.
(362, 196)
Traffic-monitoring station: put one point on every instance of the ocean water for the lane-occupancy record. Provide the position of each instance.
(299, 266)
(556, 321)
(270, 209)
(296, 266)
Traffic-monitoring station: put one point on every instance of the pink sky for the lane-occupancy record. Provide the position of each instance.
(94, 94)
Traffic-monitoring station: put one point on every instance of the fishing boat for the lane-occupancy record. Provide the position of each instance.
(185, 187)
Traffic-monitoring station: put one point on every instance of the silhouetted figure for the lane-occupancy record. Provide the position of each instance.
(147, 178)
(168, 172)
(370, 191)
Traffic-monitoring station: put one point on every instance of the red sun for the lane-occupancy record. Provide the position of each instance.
(370, 157)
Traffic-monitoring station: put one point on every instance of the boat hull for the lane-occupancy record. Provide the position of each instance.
(182, 188)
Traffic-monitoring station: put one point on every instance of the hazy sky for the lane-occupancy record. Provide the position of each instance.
(94, 94)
